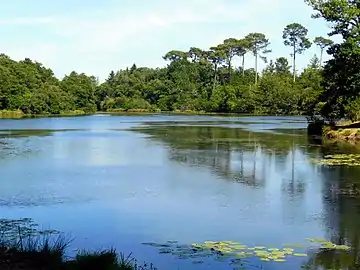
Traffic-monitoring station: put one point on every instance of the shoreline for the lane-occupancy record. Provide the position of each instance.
(18, 114)
(344, 132)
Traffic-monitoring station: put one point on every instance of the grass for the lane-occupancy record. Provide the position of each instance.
(33, 253)
(349, 133)
(11, 114)
(124, 111)
(19, 114)
(24, 248)
(346, 131)
(70, 113)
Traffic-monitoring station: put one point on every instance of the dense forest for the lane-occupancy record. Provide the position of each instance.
(207, 80)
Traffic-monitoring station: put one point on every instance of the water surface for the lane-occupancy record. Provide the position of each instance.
(123, 180)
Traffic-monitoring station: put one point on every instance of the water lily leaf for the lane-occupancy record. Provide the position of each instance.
(300, 254)
(317, 240)
(231, 251)
(239, 247)
(241, 255)
(342, 247)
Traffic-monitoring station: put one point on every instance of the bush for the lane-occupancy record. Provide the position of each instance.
(352, 110)
(125, 104)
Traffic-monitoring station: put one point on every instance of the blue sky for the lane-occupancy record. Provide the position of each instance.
(96, 36)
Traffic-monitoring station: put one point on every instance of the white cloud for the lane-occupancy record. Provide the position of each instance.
(110, 32)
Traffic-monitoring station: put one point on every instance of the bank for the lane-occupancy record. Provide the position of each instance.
(342, 131)
(17, 114)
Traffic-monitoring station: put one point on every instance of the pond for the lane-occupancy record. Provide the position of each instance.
(124, 181)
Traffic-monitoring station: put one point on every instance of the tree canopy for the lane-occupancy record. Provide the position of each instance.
(207, 79)
(341, 76)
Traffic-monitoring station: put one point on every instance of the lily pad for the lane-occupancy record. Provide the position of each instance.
(300, 254)
(231, 251)
(340, 160)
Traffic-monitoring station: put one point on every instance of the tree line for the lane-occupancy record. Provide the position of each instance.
(206, 80)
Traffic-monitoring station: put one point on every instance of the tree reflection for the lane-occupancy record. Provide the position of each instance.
(232, 153)
(342, 214)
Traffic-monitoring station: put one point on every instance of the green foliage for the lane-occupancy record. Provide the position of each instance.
(206, 79)
(322, 43)
(294, 35)
(341, 77)
(194, 80)
(352, 110)
(24, 246)
(341, 81)
(342, 14)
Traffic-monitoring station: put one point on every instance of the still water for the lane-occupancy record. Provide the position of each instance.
(120, 181)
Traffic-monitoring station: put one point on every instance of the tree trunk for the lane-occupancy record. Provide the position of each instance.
(229, 69)
(243, 65)
(256, 74)
(321, 55)
(294, 67)
(214, 83)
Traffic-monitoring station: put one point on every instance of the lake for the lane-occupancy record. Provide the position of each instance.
(122, 181)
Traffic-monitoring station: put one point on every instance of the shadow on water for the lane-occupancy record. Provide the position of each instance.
(341, 199)
(245, 157)
(234, 154)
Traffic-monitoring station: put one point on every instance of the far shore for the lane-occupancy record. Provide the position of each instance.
(18, 114)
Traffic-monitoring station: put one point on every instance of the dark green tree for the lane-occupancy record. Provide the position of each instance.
(282, 66)
(341, 82)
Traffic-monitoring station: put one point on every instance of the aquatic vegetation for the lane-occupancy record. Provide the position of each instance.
(13, 229)
(24, 246)
(225, 251)
(236, 253)
(340, 160)
(324, 244)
